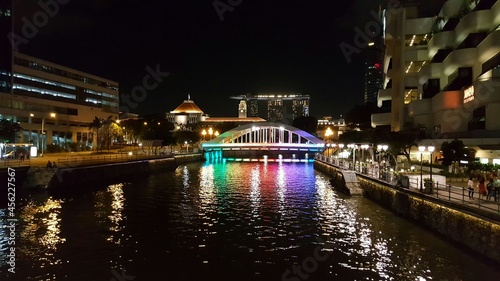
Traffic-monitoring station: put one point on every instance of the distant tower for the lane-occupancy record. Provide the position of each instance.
(374, 70)
(242, 109)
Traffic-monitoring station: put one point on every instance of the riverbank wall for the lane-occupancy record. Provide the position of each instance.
(476, 230)
(41, 177)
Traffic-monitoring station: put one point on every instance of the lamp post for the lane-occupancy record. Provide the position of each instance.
(421, 149)
(187, 146)
(53, 115)
(216, 134)
(203, 133)
(210, 132)
(341, 147)
(431, 150)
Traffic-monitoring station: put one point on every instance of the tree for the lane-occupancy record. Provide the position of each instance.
(306, 123)
(454, 152)
(134, 128)
(361, 115)
(158, 128)
(96, 126)
(8, 130)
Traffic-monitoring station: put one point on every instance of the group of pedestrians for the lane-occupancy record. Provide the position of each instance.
(491, 189)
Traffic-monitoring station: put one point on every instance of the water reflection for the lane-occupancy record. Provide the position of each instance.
(226, 221)
(41, 232)
(255, 191)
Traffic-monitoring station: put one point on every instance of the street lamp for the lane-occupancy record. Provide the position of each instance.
(203, 133)
(341, 146)
(210, 132)
(187, 146)
(431, 150)
(421, 149)
(328, 133)
(216, 133)
(53, 115)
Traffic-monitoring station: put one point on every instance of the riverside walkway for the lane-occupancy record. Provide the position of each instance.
(76, 159)
(445, 193)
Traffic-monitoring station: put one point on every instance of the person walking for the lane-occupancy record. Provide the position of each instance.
(482, 187)
(496, 187)
(489, 188)
(470, 187)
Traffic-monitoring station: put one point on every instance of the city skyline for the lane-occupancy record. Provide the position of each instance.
(292, 47)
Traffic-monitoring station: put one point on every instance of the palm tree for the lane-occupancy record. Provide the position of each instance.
(8, 130)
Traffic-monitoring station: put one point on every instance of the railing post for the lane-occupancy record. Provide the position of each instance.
(463, 195)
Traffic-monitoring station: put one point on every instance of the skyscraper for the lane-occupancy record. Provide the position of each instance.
(374, 70)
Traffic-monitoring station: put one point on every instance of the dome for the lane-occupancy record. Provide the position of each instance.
(188, 106)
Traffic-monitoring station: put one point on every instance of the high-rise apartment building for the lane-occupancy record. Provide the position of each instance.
(443, 71)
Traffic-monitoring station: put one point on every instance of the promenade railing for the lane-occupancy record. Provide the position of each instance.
(67, 162)
(444, 192)
(9, 162)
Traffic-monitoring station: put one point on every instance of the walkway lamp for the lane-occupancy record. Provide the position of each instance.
(431, 150)
(421, 149)
(52, 115)
(341, 147)
(210, 132)
(204, 133)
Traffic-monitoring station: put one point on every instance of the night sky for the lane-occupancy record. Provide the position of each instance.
(259, 47)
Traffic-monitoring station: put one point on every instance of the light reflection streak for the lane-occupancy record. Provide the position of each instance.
(281, 184)
(117, 204)
(255, 191)
(3, 238)
(42, 234)
(207, 189)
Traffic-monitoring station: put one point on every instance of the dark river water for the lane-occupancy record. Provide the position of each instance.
(225, 221)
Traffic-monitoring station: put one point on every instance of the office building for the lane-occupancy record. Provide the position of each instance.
(54, 104)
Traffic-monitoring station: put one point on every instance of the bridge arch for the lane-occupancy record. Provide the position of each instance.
(264, 141)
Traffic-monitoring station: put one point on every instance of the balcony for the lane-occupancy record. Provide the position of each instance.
(381, 119)
(384, 95)
(430, 71)
(441, 40)
(459, 58)
(459, 79)
(452, 8)
(489, 47)
(474, 22)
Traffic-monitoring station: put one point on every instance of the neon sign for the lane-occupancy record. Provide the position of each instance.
(469, 94)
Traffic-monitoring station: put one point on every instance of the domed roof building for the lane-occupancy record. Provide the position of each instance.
(186, 113)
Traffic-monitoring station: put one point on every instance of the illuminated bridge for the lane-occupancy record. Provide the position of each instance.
(264, 141)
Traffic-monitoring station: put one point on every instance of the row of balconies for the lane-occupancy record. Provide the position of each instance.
(447, 105)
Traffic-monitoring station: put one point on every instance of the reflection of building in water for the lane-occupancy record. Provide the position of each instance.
(280, 108)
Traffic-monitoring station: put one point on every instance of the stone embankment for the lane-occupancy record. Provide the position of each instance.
(42, 177)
